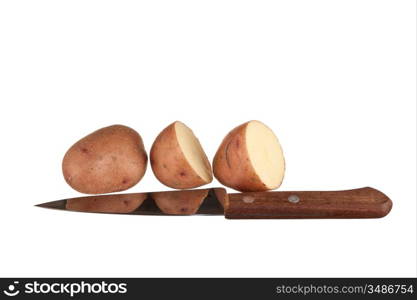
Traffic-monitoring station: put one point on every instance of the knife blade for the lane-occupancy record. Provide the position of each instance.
(357, 203)
(139, 203)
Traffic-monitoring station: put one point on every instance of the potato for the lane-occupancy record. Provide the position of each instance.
(250, 159)
(108, 160)
(178, 160)
(180, 202)
(111, 204)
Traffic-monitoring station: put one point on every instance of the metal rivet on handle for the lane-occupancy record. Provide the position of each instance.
(294, 199)
(248, 199)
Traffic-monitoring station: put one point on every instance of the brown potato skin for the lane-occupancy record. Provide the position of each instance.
(180, 202)
(108, 160)
(231, 164)
(169, 164)
(111, 204)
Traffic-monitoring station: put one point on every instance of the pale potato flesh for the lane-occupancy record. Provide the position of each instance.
(192, 150)
(265, 154)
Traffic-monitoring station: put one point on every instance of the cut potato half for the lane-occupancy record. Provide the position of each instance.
(265, 154)
(250, 159)
(193, 152)
(178, 159)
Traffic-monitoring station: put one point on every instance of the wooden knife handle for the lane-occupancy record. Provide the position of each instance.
(358, 203)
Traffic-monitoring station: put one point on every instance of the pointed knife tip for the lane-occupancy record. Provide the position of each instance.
(59, 204)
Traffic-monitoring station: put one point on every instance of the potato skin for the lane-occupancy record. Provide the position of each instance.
(232, 166)
(108, 160)
(169, 163)
(180, 202)
(111, 204)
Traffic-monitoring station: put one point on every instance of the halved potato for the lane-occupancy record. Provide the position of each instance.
(250, 159)
(178, 160)
(180, 202)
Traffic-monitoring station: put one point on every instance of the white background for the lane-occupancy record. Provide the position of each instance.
(335, 80)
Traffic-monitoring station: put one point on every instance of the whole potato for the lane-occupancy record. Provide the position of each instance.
(178, 160)
(108, 160)
(250, 159)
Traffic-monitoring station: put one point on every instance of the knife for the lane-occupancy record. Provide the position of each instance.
(357, 203)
